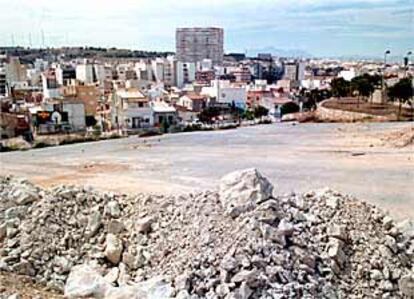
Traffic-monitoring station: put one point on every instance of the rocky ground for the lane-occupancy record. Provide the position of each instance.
(240, 241)
(400, 138)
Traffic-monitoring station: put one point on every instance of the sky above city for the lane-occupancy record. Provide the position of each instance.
(319, 27)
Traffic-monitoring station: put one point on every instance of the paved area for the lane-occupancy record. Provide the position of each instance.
(348, 157)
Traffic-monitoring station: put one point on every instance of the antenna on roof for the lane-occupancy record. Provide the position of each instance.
(30, 39)
(43, 38)
(12, 40)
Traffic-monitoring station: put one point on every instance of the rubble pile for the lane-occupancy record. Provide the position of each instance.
(238, 242)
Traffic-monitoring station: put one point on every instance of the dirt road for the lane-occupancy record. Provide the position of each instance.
(353, 158)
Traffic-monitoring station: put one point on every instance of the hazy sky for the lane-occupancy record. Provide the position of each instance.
(320, 27)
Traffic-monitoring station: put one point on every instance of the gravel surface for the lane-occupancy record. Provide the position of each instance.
(241, 241)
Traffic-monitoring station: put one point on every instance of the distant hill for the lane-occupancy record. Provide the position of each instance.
(294, 53)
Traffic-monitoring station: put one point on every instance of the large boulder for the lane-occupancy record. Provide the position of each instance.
(155, 288)
(85, 282)
(241, 191)
(25, 194)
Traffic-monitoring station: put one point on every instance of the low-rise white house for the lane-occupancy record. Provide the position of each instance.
(64, 112)
(131, 109)
(162, 113)
(348, 75)
(226, 93)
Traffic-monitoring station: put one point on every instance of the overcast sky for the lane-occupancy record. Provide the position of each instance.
(320, 27)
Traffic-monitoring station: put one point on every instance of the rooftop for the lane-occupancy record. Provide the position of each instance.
(162, 107)
(131, 93)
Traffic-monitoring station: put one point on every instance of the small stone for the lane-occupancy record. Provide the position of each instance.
(143, 225)
(244, 291)
(113, 249)
(182, 282)
(112, 275)
(335, 250)
(229, 263)
(386, 285)
(94, 223)
(3, 231)
(406, 284)
(285, 228)
(222, 290)
(391, 243)
(387, 222)
(248, 276)
(332, 202)
(337, 231)
(115, 227)
(114, 209)
(376, 275)
(183, 294)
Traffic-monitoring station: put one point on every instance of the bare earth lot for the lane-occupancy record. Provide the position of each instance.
(367, 160)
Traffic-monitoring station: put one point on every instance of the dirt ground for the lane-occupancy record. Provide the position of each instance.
(373, 161)
(24, 286)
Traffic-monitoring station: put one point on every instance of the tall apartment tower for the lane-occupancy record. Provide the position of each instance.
(195, 44)
(294, 70)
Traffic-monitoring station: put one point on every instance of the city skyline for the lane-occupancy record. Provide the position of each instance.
(318, 27)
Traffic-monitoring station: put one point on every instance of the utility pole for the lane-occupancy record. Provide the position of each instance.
(30, 39)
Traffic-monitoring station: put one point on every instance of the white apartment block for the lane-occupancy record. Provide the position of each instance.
(185, 73)
(84, 73)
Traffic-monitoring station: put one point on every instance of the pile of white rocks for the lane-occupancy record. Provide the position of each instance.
(241, 241)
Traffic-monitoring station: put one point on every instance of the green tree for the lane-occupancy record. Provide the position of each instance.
(375, 80)
(260, 111)
(248, 114)
(363, 86)
(340, 87)
(289, 107)
(209, 113)
(402, 92)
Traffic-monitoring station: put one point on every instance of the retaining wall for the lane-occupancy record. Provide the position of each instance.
(329, 114)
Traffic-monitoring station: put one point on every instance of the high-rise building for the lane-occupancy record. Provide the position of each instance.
(294, 71)
(15, 71)
(195, 44)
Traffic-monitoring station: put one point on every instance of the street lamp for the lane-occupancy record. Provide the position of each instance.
(385, 56)
(383, 75)
(406, 62)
